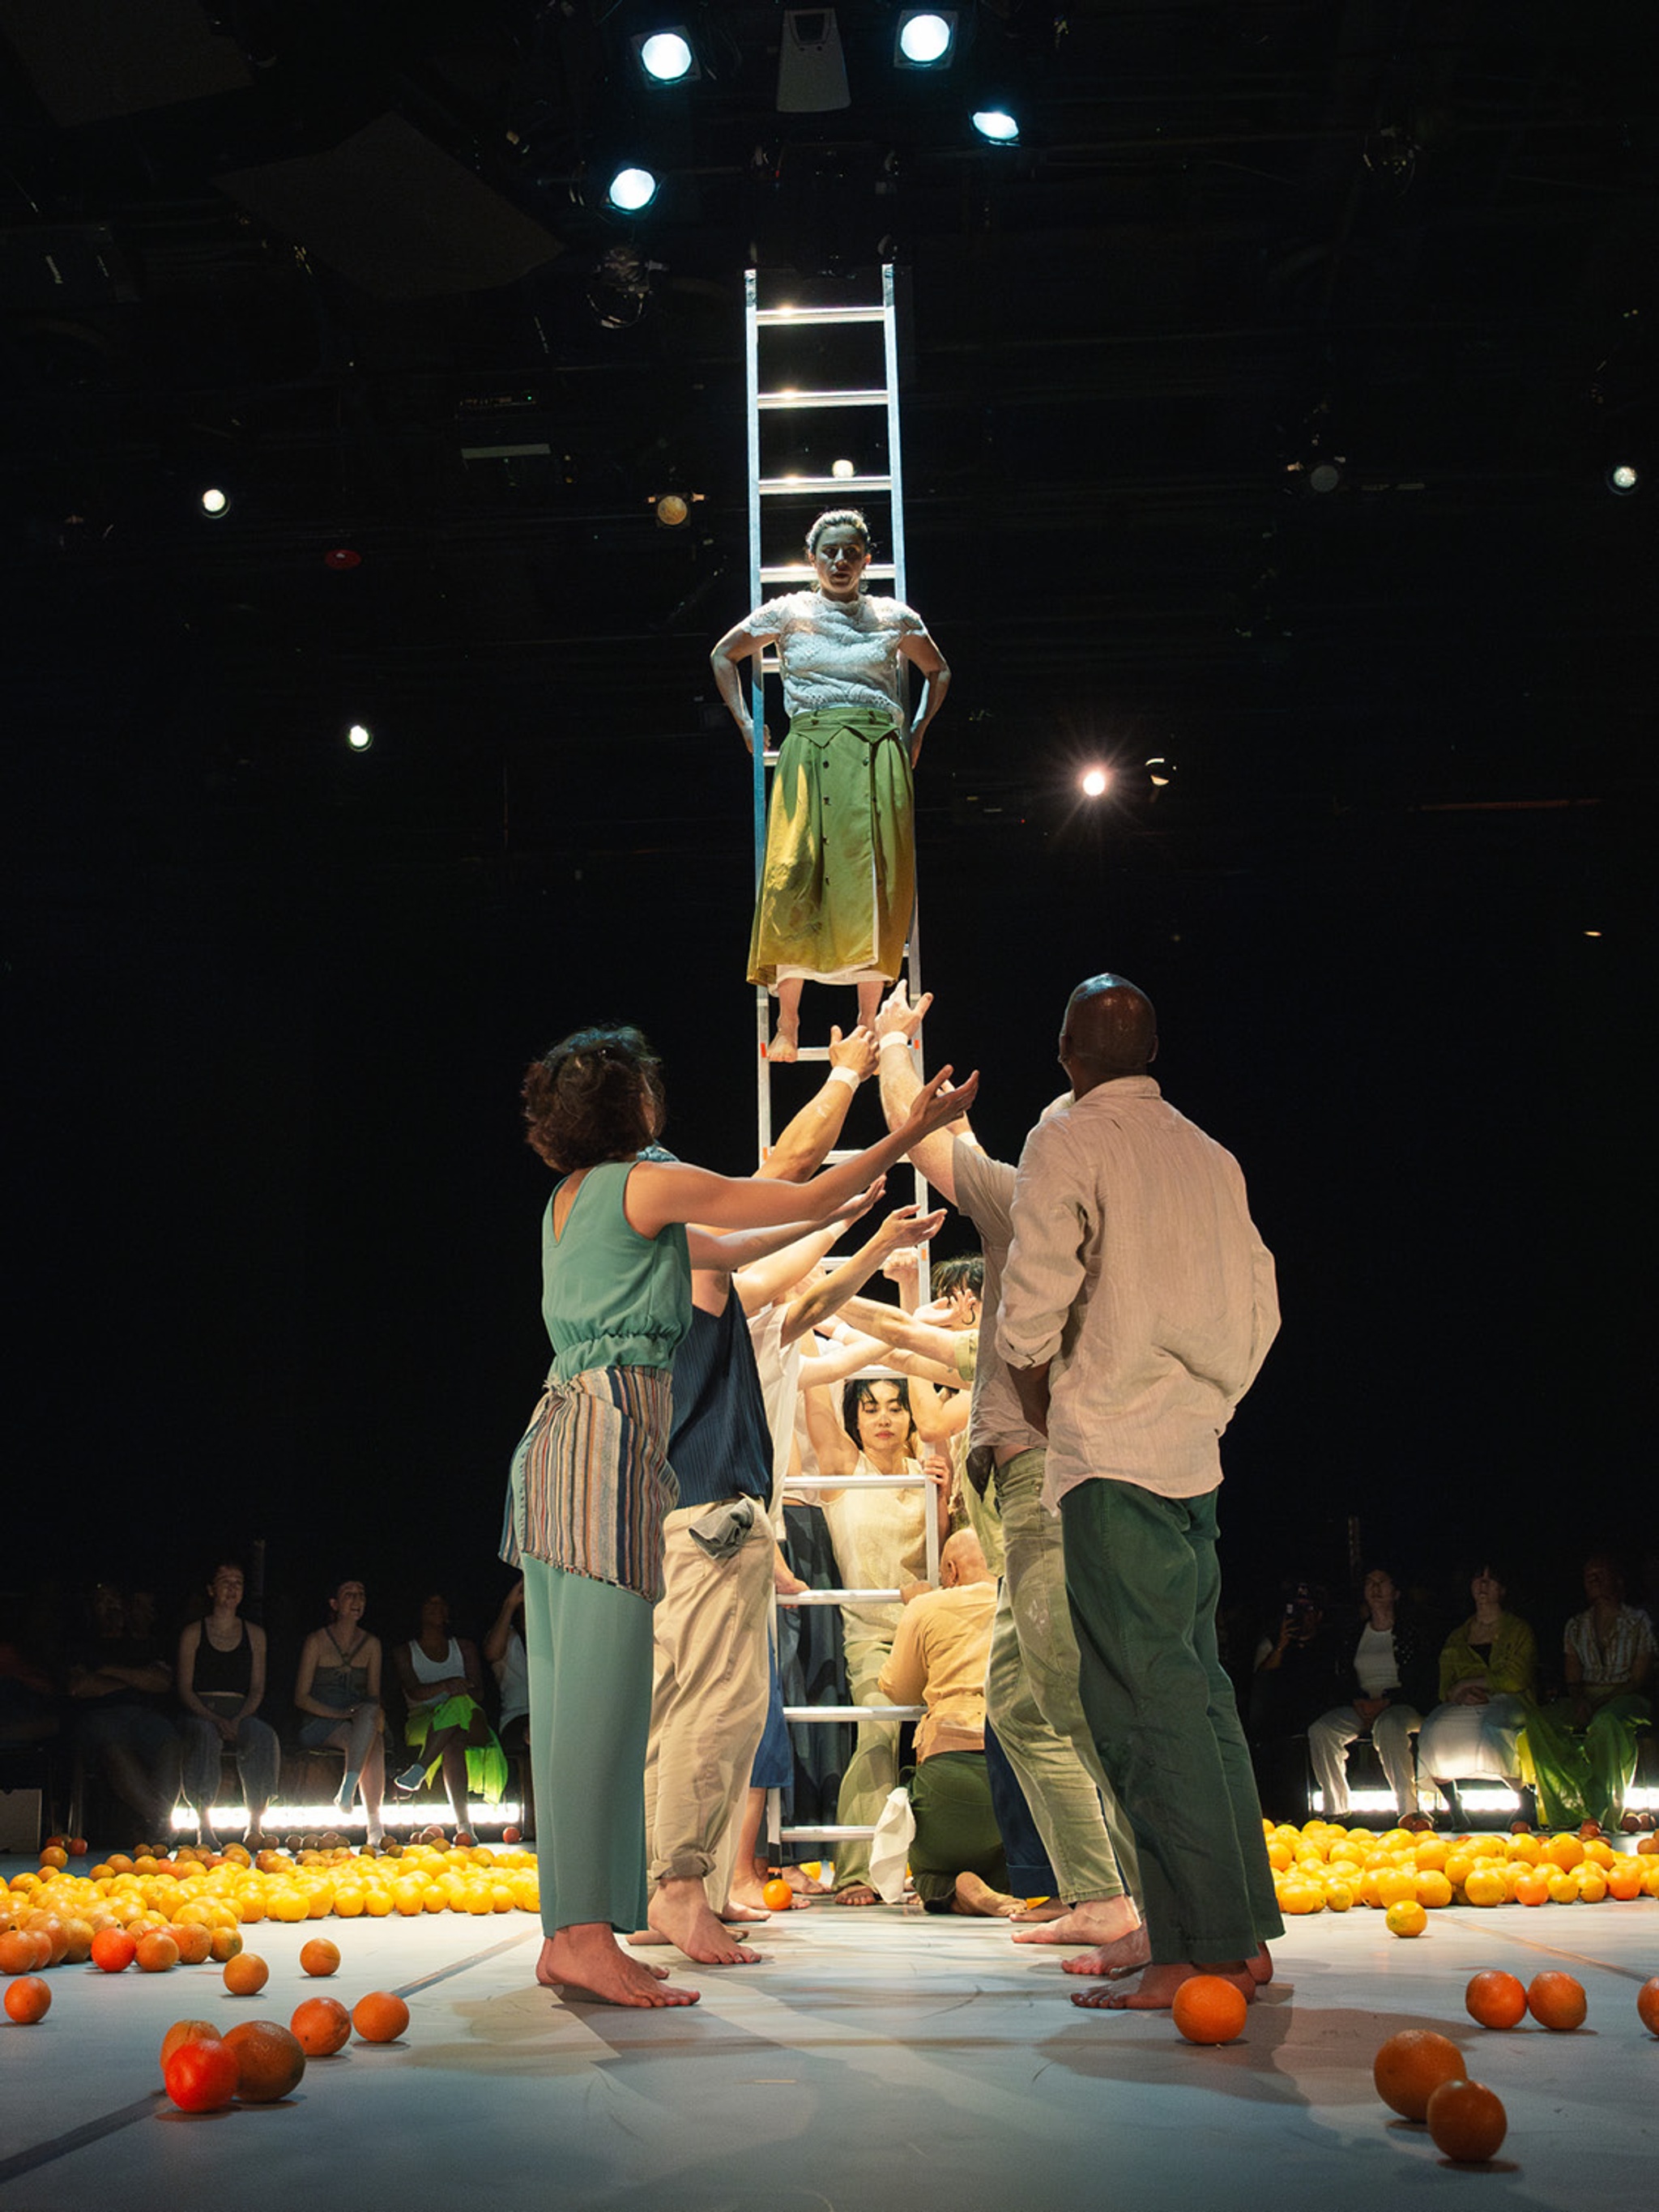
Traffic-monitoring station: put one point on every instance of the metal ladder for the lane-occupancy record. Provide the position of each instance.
(784, 495)
(784, 491)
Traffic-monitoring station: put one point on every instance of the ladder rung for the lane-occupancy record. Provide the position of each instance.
(860, 1482)
(823, 1835)
(793, 572)
(809, 1052)
(855, 1712)
(842, 1597)
(806, 318)
(780, 486)
(843, 1152)
(772, 401)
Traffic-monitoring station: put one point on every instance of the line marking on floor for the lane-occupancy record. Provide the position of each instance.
(1555, 1951)
(91, 2131)
(443, 1973)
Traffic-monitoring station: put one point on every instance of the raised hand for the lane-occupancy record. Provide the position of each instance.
(856, 1051)
(897, 1017)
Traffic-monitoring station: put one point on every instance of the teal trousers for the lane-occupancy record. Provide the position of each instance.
(589, 1646)
(1142, 1579)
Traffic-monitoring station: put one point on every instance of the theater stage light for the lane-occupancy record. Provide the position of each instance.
(996, 125)
(1623, 477)
(631, 190)
(216, 502)
(665, 56)
(1093, 782)
(360, 737)
(926, 39)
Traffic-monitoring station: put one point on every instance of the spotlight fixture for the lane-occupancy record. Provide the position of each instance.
(926, 39)
(997, 127)
(631, 190)
(216, 502)
(1623, 477)
(812, 67)
(665, 56)
(842, 469)
(1093, 782)
(673, 508)
(360, 737)
(1160, 771)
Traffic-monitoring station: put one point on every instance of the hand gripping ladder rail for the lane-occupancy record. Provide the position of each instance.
(785, 492)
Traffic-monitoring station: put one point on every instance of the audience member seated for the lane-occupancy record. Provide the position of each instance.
(1299, 1667)
(1486, 1678)
(1383, 1665)
(938, 1659)
(120, 1687)
(503, 1648)
(221, 1685)
(338, 1691)
(442, 1679)
(1583, 1748)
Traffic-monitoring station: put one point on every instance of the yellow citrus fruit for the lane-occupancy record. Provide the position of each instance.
(1406, 1918)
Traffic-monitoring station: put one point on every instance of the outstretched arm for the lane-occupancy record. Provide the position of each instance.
(658, 1192)
(896, 1024)
(904, 1332)
(725, 1253)
(810, 1138)
(902, 1226)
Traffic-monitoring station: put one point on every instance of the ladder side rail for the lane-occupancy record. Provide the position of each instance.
(756, 689)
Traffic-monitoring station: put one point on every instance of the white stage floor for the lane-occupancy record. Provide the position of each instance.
(876, 2059)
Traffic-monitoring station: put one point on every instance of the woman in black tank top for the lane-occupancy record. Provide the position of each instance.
(221, 1685)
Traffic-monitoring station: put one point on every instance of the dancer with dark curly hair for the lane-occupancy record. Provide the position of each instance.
(591, 1481)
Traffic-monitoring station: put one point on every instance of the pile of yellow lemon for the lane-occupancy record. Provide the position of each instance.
(1323, 1867)
(228, 1890)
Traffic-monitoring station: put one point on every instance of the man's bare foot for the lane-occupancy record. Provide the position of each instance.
(785, 1045)
(1155, 1990)
(979, 1901)
(857, 1892)
(1128, 1955)
(1108, 1923)
(680, 1913)
(802, 1882)
(747, 1895)
(1039, 1909)
(582, 1965)
(737, 1913)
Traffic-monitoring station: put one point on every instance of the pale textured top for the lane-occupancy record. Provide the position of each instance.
(1137, 1270)
(880, 1538)
(836, 652)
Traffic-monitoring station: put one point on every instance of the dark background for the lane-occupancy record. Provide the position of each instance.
(275, 1243)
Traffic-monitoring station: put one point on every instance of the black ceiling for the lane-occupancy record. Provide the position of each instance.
(1237, 237)
(264, 993)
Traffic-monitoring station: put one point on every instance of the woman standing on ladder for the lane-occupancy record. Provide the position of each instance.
(839, 878)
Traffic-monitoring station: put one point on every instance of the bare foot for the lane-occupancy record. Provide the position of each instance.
(1041, 1909)
(1109, 1922)
(1155, 1990)
(680, 1913)
(582, 1965)
(1128, 1955)
(1260, 1968)
(737, 1913)
(747, 1895)
(803, 1884)
(978, 1900)
(786, 1045)
(857, 1892)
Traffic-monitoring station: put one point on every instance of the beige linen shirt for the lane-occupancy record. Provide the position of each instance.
(1136, 1272)
(938, 1659)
